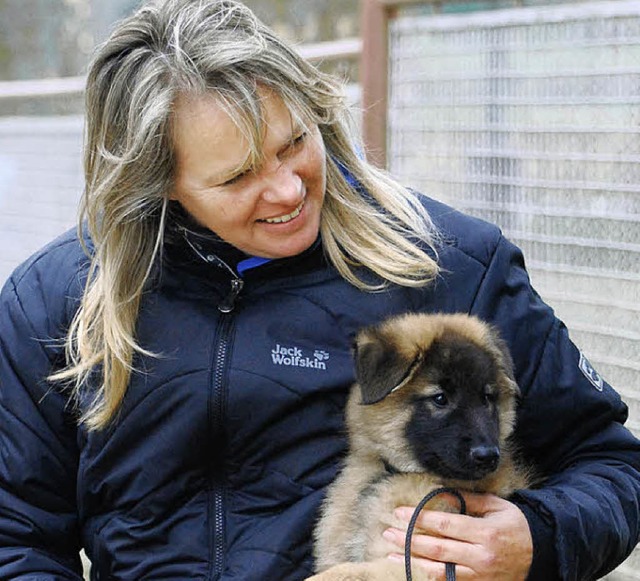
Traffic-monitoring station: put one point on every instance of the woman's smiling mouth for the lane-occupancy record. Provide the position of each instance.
(286, 217)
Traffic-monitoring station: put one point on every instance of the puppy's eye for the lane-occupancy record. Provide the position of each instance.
(440, 399)
(490, 396)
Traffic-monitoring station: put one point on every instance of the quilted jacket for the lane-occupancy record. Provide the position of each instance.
(218, 460)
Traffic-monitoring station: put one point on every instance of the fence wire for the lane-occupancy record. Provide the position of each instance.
(529, 118)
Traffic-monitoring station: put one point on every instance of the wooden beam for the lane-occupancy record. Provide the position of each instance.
(42, 87)
(374, 77)
(374, 72)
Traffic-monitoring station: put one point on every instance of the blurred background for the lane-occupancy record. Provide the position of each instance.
(522, 112)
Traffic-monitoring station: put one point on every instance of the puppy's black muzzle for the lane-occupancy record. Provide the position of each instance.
(485, 458)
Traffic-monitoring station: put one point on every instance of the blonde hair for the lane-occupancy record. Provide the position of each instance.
(197, 47)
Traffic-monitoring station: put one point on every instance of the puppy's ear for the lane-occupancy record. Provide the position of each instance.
(503, 358)
(380, 369)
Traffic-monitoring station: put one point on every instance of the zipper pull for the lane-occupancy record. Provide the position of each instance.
(226, 306)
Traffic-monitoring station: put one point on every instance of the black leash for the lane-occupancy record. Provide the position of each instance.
(450, 568)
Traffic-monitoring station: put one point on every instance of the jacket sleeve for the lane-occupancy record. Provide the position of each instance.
(585, 515)
(39, 536)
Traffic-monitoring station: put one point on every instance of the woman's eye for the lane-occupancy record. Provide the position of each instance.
(299, 140)
(294, 146)
(235, 179)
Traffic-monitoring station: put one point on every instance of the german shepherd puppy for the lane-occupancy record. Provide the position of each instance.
(433, 406)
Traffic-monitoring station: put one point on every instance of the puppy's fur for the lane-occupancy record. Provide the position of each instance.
(434, 405)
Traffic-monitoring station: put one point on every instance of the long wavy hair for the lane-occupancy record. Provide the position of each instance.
(196, 47)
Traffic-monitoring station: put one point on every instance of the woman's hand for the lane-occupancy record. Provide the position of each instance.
(494, 544)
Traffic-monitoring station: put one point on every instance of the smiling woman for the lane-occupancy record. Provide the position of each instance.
(173, 375)
(267, 204)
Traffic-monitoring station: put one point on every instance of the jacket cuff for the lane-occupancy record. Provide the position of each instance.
(544, 563)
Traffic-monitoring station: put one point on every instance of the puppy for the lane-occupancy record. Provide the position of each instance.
(433, 405)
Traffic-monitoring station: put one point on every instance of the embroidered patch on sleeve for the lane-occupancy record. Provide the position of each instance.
(590, 373)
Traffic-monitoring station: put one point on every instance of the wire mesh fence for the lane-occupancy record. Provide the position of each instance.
(530, 118)
(40, 183)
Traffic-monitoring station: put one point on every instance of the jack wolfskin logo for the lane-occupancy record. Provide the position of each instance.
(590, 373)
(294, 357)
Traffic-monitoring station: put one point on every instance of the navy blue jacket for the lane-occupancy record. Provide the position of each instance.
(217, 462)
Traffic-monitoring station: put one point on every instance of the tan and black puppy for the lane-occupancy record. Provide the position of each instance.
(434, 405)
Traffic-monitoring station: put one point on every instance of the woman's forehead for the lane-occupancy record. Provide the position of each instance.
(211, 134)
(268, 112)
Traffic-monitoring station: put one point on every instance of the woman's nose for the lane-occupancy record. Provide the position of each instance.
(282, 186)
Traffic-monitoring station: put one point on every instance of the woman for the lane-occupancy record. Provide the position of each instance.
(172, 400)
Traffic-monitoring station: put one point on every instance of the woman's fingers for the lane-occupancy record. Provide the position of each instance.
(493, 544)
(441, 549)
(436, 570)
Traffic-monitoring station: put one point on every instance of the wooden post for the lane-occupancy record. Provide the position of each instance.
(373, 78)
(374, 72)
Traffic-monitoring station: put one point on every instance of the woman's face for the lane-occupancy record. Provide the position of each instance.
(272, 210)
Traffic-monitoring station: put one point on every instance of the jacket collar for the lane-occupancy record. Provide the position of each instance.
(195, 260)
(185, 239)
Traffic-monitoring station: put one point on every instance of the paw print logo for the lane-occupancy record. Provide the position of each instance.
(321, 355)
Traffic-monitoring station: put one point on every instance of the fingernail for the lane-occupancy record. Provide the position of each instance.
(388, 535)
(403, 514)
(395, 557)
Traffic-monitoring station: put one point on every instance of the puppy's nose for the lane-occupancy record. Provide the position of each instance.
(485, 457)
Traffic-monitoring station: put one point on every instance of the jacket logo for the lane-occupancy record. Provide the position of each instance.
(294, 357)
(590, 373)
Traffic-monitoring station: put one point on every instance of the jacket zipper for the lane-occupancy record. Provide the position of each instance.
(217, 405)
(216, 417)
(228, 302)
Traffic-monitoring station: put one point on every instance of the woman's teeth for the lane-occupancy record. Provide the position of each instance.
(286, 218)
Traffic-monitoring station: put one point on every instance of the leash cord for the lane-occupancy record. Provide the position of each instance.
(450, 568)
